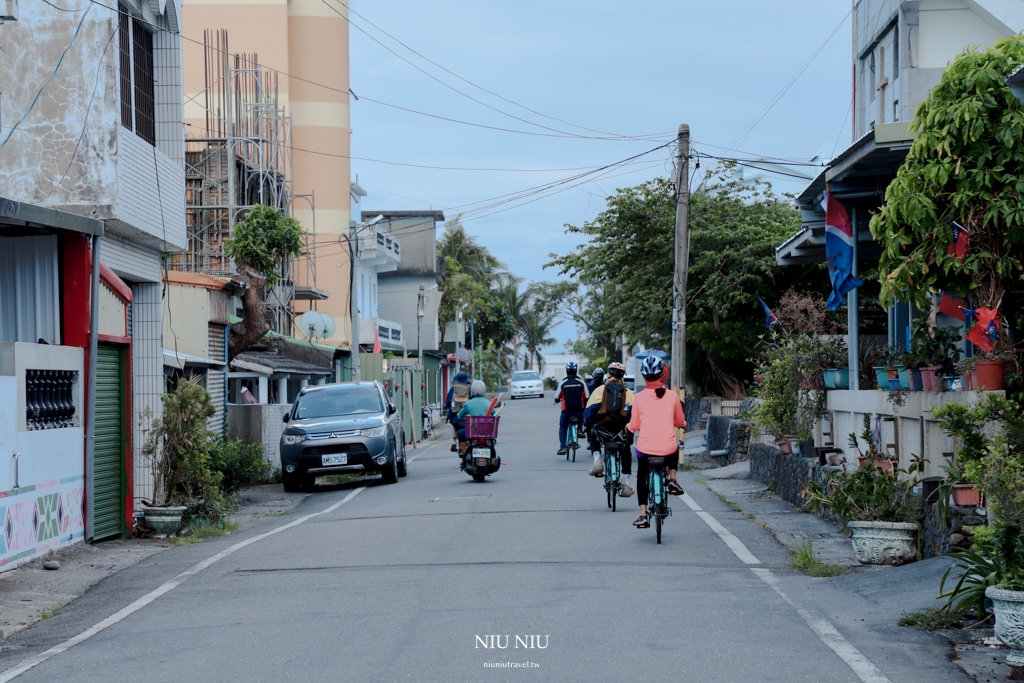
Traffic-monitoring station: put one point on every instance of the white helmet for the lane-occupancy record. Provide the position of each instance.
(477, 388)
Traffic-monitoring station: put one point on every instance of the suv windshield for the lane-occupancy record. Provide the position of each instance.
(525, 377)
(341, 401)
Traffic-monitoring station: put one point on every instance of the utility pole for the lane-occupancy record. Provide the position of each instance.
(419, 325)
(682, 253)
(353, 306)
(472, 341)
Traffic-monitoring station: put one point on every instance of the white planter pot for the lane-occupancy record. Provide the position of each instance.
(1009, 609)
(884, 542)
(165, 521)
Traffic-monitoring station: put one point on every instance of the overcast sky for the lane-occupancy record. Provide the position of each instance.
(628, 69)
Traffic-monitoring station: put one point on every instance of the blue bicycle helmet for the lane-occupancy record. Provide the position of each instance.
(652, 366)
(571, 367)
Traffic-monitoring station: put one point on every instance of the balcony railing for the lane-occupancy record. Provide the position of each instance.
(50, 399)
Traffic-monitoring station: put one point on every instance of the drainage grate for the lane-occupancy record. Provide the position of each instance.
(441, 498)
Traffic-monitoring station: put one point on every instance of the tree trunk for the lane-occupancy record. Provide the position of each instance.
(254, 316)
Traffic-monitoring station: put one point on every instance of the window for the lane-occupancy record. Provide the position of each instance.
(896, 51)
(138, 98)
(338, 403)
(896, 110)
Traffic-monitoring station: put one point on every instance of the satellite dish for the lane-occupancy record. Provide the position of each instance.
(329, 325)
(313, 324)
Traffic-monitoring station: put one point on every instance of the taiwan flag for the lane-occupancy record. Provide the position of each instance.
(961, 238)
(839, 242)
(985, 333)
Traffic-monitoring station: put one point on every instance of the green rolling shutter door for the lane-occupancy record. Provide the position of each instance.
(108, 467)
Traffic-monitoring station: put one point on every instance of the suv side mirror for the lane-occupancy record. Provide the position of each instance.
(392, 409)
(285, 416)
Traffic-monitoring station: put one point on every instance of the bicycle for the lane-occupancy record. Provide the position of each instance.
(610, 445)
(657, 506)
(572, 438)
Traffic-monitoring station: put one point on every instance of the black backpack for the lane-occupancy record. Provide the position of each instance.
(573, 393)
(613, 402)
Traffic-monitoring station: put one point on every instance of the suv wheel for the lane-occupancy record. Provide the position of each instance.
(292, 482)
(403, 466)
(390, 474)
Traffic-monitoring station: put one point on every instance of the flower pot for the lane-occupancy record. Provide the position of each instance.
(929, 380)
(1008, 606)
(953, 382)
(965, 495)
(802, 448)
(905, 378)
(884, 463)
(915, 379)
(837, 378)
(891, 543)
(165, 521)
(966, 379)
(974, 379)
(882, 377)
(990, 375)
(785, 446)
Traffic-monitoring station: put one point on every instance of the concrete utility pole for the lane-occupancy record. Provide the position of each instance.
(419, 324)
(682, 253)
(353, 306)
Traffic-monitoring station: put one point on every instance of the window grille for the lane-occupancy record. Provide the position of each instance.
(50, 399)
(124, 51)
(145, 107)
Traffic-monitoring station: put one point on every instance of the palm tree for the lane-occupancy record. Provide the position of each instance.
(537, 326)
(517, 304)
(475, 259)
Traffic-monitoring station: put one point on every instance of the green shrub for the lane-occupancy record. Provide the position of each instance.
(240, 464)
(869, 495)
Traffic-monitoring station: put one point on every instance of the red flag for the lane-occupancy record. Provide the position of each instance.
(985, 332)
(961, 239)
(376, 341)
(950, 305)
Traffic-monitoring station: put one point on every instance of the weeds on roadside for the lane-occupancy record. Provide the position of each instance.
(195, 533)
(731, 505)
(804, 560)
(687, 466)
(341, 478)
(932, 619)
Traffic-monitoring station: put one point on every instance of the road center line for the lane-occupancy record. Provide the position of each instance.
(735, 544)
(166, 587)
(861, 665)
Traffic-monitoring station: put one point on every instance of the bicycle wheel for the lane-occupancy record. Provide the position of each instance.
(613, 491)
(657, 524)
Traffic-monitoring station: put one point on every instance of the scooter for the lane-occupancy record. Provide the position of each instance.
(480, 458)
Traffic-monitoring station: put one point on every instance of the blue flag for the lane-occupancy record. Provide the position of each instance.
(839, 241)
(769, 317)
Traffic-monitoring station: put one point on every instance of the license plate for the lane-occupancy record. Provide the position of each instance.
(482, 452)
(335, 459)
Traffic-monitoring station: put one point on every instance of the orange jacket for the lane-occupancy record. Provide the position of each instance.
(656, 418)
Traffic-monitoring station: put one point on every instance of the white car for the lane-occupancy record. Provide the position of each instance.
(526, 383)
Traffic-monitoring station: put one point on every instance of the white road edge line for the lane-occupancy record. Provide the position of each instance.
(166, 587)
(861, 665)
(735, 544)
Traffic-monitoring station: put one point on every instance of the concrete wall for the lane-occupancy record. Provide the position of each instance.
(45, 510)
(71, 152)
(260, 423)
(186, 315)
(147, 377)
(397, 294)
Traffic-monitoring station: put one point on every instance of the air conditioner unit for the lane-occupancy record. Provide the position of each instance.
(8, 10)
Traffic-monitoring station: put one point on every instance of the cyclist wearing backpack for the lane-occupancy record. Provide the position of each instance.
(457, 397)
(572, 393)
(609, 407)
(656, 416)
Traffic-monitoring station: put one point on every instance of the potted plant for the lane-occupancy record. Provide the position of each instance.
(880, 510)
(179, 445)
(990, 370)
(967, 372)
(994, 566)
(875, 456)
(888, 373)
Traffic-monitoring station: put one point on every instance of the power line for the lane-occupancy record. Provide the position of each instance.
(749, 128)
(465, 80)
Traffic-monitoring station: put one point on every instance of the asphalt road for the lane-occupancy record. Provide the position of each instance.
(402, 582)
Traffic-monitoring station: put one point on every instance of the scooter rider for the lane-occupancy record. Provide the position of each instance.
(457, 396)
(573, 394)
(477, 406)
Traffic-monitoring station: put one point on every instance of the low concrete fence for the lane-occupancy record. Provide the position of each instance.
(260, 423)
(787, 475)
